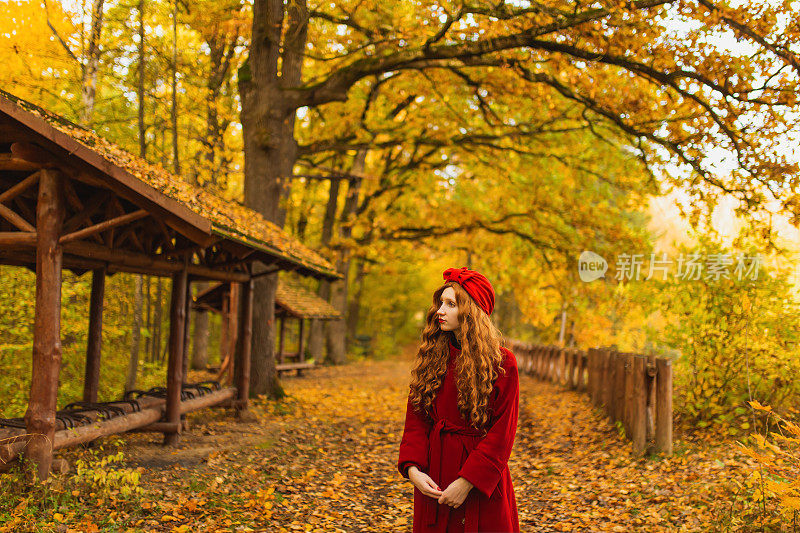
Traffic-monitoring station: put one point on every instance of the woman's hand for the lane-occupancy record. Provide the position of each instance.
(423, 482)
(455, 494)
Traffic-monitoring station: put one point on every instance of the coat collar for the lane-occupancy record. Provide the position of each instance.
(453, 349)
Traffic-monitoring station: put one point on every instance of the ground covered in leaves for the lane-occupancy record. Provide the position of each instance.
(324, 459)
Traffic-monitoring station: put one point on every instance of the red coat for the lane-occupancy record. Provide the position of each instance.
(447, 448)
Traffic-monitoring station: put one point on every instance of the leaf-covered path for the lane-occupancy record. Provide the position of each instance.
(571, 469)
(324, 459)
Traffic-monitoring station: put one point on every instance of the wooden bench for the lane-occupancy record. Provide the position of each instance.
(285, 367)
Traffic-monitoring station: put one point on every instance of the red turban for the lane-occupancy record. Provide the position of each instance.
(475, 284)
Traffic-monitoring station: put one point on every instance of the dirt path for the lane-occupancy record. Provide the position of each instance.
(324, 460)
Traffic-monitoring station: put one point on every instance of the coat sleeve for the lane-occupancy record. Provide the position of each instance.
(486, 462)
(414, 444)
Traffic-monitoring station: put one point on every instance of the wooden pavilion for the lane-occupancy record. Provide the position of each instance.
(72, 200)
(291, 302)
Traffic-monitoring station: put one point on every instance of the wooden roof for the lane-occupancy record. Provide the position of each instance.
(290, 299)
(299, 302)
(157, 214)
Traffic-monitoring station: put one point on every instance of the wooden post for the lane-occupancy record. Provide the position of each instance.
(301, 346)
(233, 327)
(225, 357)
(542, 362)
(187, 313)
(650, 372)
(663, 442)
(590, 368)
(94, 343)
(281, 337)
(624, 400)
(616, 392)
(546, 363)
(177, 316)
(583, 374)
(609, 382)
(629, 410)
(527, 358)
(600, 382)
(571, 380)
(243, 346)
(603, 376)
(530, 350)
(40, 418)
(639, 415)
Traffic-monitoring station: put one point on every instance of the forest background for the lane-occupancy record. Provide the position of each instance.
(677, 137)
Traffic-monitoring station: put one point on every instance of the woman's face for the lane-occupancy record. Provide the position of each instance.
(447, 314)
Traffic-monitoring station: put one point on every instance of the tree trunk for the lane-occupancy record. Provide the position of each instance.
(354, 305)
(92, 60)
(317, 334)
(133, 363)
(337, 329)
(176, 162)
(268, 119)
(221, 53)
(148, 318)
(140, 90)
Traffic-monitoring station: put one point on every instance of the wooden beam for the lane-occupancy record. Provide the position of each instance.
(293, 366)
(159, 427)
(233, 262)
(13, 163)
(15, 219)
(19, 188)
(40, 418)
(175, 252)
(102, 226)
(10, 133)
(266, 272)
(151, 413)
(175, 365)
(91, 380)
(124, 261)
(82, 163)
(72, 197)
(91, 207)
(23, 239)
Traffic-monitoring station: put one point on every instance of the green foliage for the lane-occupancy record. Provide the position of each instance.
(738, 338)
(106, 474)
(17, 299)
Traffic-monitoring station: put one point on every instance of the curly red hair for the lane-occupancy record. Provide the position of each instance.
(476, 369)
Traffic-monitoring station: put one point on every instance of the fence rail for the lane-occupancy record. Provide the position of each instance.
(634, 389)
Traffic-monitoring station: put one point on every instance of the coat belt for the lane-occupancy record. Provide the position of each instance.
(431, 504)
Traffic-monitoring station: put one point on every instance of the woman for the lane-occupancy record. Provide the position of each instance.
(461, 416)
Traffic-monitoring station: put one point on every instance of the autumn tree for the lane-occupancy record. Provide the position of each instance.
(670, 93)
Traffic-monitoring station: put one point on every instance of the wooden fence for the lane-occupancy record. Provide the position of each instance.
(633, 389)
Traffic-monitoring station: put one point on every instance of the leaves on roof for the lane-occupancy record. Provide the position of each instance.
(229, 219)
